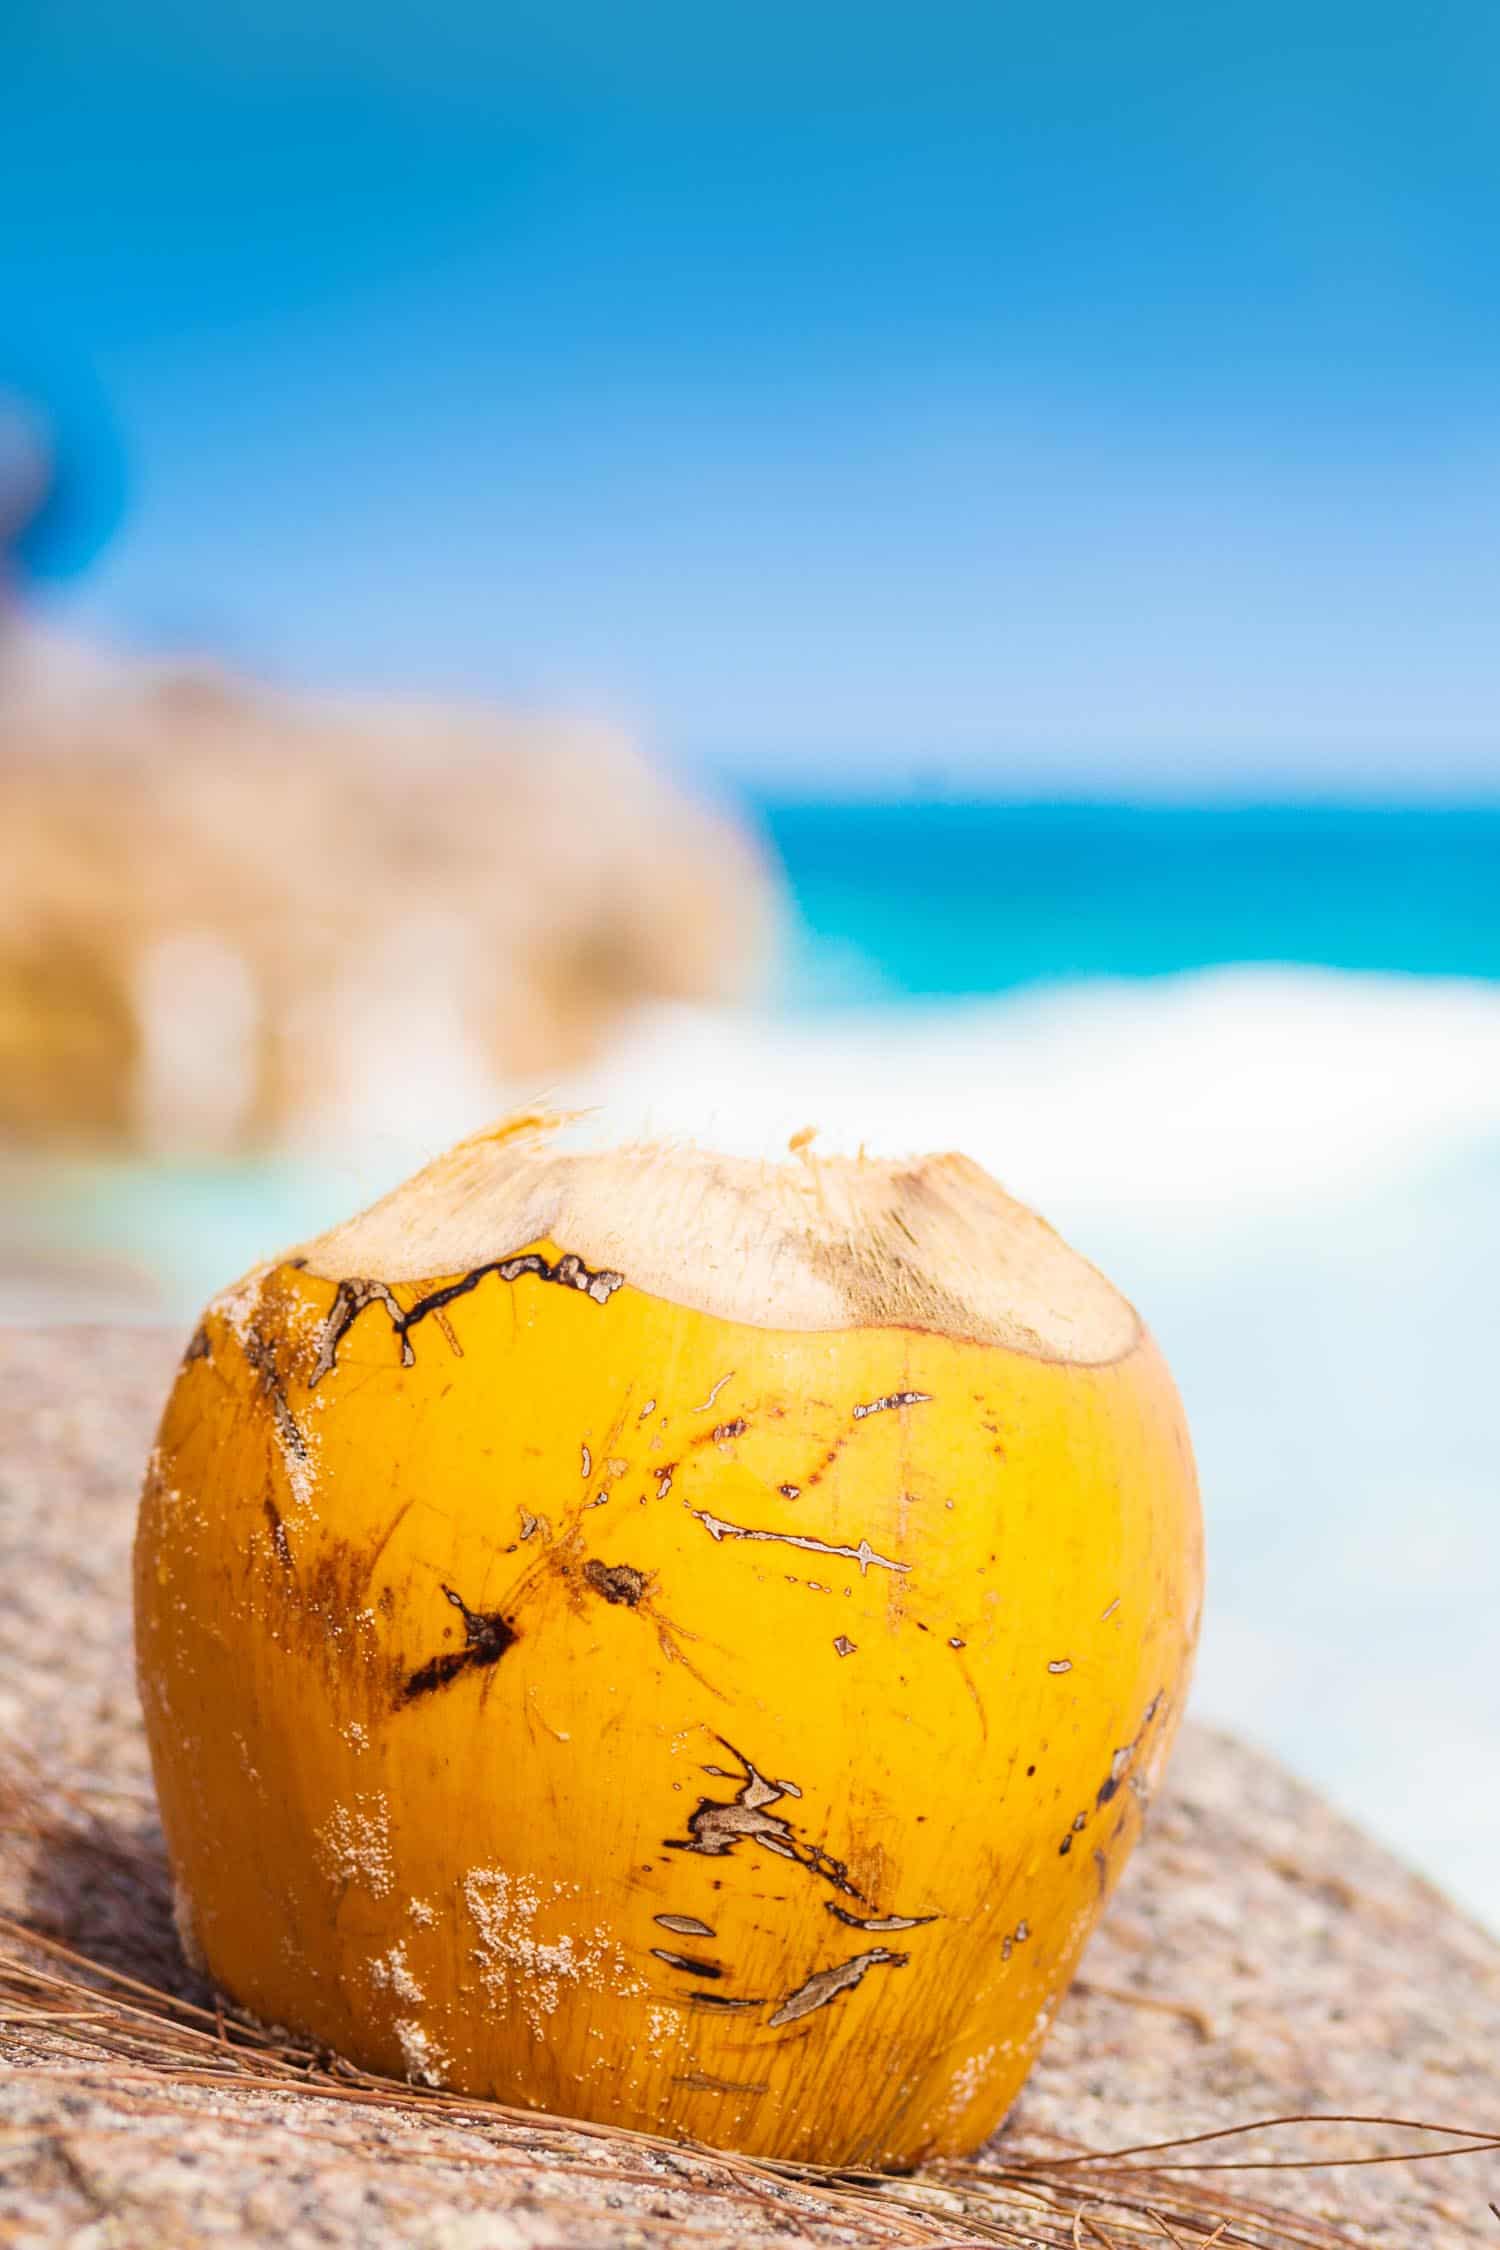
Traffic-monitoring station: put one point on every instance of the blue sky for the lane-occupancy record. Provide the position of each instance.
(1083, 397)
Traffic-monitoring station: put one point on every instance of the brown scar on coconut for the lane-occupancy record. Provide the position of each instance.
(487, 1636)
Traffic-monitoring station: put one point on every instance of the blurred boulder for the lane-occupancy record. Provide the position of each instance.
(231, 919)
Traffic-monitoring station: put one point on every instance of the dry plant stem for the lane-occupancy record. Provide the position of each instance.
(1022, 2201)
(1474, 2138)
(1200, 2020)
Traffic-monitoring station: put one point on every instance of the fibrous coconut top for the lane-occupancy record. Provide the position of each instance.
(929, 1242)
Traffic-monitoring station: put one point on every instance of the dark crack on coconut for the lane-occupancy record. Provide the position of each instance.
(1121, 1770)
(689, 1966)
(825, 1985)
(879, 1922)
(892, 1399)
(1124, 1758)
(717, 1825)
(487, 1636)
(864, 1554)
(699, 2082)
(354, 1295)
(616, 1582)
(262, 1359)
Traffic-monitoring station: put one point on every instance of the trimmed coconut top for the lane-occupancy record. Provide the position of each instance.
(928, 1242)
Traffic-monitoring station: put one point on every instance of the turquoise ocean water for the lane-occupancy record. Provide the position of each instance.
(941, 899)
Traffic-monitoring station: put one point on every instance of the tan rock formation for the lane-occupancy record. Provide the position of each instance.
(229, 918)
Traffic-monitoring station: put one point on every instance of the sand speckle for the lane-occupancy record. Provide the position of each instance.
(424, 2058)
(185, 1922)
(391, 1972)
(531, 1968)
(354, 1844)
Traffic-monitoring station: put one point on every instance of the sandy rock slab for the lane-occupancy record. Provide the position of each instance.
(235, 920)
(1263, 1958)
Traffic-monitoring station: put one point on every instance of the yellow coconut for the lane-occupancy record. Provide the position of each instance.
(669, 1639)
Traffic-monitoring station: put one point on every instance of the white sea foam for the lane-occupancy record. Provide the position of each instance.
(1212, 1096)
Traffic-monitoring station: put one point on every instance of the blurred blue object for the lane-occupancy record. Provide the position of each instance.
(62, 472)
